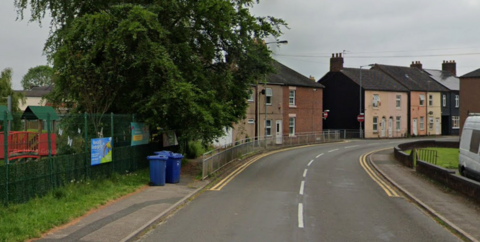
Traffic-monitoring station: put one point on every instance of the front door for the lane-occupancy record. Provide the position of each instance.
(390, 127)
(383, 128)
(278, 133)
(437, 126)
(414, 127)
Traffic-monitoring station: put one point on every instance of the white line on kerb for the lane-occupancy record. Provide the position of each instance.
(351, 146)
(302, 185)
(332, 150)
(309, 163)
(300, 215)
(319, 155)
(305, 173)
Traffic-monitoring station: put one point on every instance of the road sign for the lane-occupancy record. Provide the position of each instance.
(325, 114)
(361, 118)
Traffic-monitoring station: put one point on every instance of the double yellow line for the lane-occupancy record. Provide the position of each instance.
(387, 188)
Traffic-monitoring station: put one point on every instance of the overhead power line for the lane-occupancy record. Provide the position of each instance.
(380, 56)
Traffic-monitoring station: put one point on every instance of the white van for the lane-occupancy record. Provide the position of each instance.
(469, 157)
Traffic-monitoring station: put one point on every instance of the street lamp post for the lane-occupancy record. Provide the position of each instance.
(360, 103)
(265, 89)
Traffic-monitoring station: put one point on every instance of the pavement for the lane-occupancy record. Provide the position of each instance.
(133, 215)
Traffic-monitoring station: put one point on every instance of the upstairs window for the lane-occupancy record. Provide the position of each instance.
(444, 100)
(269, 94)
(376, 101)
(399, 101)
(430, 100)
(250, 96)
(291, 99)
(422, 100)
(457, 101)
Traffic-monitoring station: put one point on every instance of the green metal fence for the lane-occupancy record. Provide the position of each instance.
(68, 158)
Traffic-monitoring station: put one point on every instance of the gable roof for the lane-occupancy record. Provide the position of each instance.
(288, 77)
(445, 78)
(475, 73)
(37, 91)
(4, 109)
(373, 80)
(412, 78)
(39, 112)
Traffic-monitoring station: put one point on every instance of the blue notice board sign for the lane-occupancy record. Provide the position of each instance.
(101, 151)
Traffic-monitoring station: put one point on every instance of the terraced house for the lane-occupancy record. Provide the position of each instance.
(351, 91)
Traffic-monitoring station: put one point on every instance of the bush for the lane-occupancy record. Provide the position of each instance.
(195, 149)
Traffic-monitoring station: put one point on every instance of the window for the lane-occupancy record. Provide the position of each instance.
(475, 141)
(444, 100)
(422, 121)
(399, 101)
(455, 122)
(376, 100)
(268, 127)
(250, 96)
(251, 121)
(422, 100)
(457, 101)
(430, 100)
(430, 122)
(398, 123)
(375, 124)
(291, 100)
(291, 126)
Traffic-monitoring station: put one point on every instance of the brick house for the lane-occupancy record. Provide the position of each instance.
(424, 97)
(293, 105)
(469, 92)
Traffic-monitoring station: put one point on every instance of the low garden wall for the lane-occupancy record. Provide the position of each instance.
(446, 177)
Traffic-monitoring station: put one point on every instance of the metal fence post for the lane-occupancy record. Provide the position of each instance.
(49, 140)
(86, 145)
(112, 135)
(5, 138)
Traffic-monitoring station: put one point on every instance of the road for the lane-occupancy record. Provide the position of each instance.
(316, 193)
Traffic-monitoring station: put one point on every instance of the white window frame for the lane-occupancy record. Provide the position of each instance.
(399, 101)
(457, 101)
(375, 124)
(268, 96)
(251, 121)
(268, 127)
(398, 123)
(291, 97)
(430, 100)
(422, 123)
(444, 100)
(422, 100)
(376, 101)
(250, 96)
(430, 123)
(291, 126)
(455, 122)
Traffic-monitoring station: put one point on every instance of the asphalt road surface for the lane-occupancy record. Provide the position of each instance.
(316, 193)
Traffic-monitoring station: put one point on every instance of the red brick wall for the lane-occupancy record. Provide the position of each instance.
(308, 110)
(469, 98)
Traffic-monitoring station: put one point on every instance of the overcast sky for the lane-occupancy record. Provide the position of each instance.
(393, 32)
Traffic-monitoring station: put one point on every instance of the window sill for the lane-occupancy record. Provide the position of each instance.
(455, 127)
(292, 106)
(291, 135)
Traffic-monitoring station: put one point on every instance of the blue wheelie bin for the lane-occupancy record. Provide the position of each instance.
(174, 164)
(157, 169)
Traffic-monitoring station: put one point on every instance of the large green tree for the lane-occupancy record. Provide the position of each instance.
(37, 76)
(181, 65)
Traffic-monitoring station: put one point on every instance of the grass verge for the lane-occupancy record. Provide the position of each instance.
(446, 157)
(20, 222)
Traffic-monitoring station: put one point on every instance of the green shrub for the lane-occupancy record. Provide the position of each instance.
(195, 149)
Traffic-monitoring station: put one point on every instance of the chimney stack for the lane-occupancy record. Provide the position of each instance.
(450, 66)
(416, 64)
(336, 62)
(312, 78)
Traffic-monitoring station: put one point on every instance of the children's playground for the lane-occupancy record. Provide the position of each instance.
(27, 143)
